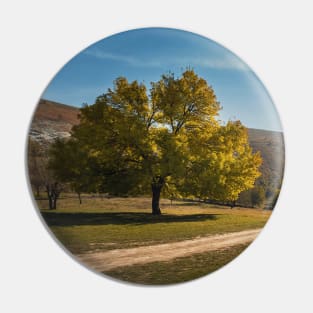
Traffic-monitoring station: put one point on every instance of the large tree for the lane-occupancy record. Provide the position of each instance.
(133, 142)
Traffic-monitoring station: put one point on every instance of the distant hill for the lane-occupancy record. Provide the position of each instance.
(271, 146)
(54, 120)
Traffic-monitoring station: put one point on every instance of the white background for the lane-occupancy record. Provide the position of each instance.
(274, 38)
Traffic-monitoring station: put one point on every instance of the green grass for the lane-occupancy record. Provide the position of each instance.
(179, 270)
(102, 224)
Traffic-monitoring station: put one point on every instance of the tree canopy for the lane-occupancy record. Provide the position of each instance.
(131, 141)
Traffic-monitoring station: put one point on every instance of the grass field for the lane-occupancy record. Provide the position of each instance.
(179, 270)
(105, 224)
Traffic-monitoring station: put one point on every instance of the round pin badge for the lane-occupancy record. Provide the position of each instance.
(155, 156)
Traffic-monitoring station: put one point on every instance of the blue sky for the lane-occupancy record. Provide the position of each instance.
(145, 54)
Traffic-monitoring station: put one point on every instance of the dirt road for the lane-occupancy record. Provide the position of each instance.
(107, 260)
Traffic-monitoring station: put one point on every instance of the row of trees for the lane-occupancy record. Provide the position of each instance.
(165, 141)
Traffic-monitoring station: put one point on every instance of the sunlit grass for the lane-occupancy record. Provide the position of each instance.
(126, 222)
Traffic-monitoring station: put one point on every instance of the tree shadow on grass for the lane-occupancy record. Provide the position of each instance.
(197, 204)
(122, 218)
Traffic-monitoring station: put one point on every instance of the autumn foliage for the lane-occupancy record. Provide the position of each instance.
(167, 140)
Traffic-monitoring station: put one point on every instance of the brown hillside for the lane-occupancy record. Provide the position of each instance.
(53, 111)
(271, 146)
(52, 120)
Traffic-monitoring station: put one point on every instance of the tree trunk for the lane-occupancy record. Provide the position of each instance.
(37, 191)
(156, 192)
(54, 206)
(50, 202)
(80, 199)
(53, 192)
(156, 187)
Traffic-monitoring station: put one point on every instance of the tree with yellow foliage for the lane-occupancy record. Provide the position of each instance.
(131, 142)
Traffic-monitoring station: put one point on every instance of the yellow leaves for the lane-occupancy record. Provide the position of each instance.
(185, 102)
(231, 167)
(94, 153)
(173, 133)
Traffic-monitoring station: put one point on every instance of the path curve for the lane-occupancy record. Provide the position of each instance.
(108, 260)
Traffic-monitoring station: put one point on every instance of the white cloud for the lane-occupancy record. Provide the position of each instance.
(222, 62)
(123, 58)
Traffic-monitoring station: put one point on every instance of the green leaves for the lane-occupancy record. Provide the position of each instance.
(128, 138)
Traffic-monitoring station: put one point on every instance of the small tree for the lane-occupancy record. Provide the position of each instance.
(34, 156)
(40, 175)
(258, 196)
(73, 166)
(53, 190)
(271, 196)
